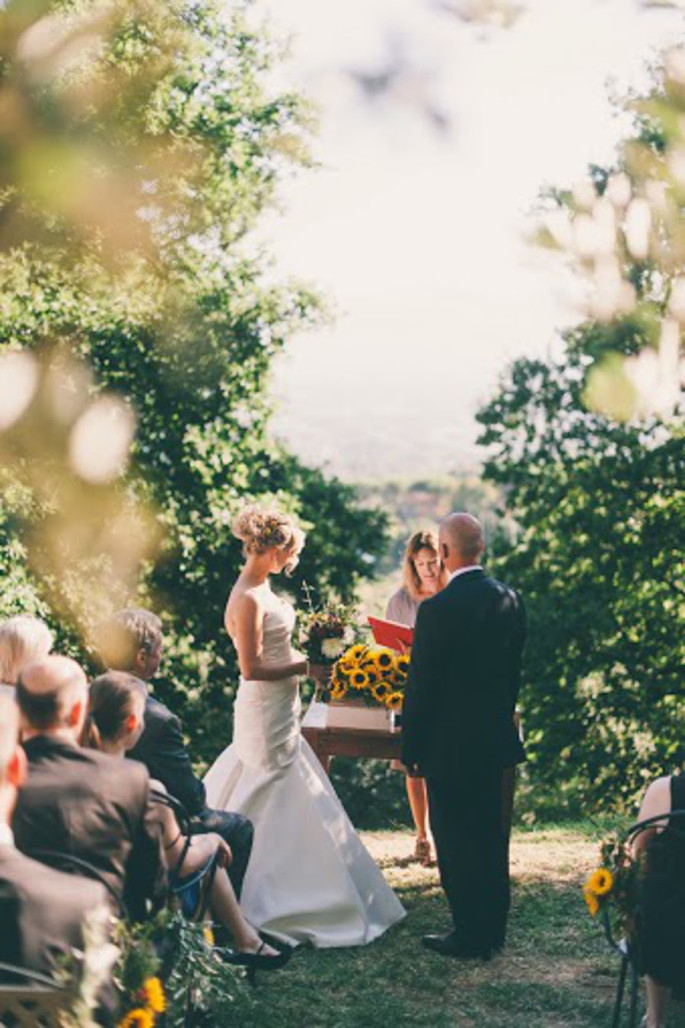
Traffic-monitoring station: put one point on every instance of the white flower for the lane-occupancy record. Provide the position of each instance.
(332, 648)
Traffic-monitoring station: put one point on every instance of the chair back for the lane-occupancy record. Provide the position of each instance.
(29, 999)
(78, 866)
(192, 891)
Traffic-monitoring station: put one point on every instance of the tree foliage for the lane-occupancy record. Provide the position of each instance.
(182, 321)
(598, 554)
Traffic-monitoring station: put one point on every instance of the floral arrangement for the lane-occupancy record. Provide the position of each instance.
(140, 989)
(325, 634)
(612, 887)
(378, 676)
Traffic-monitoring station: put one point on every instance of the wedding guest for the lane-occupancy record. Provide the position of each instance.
(661, 917)
(458, 729)
(42, 911)
(89, 805)
(23, 639)
(132, 641)
(423, 575)
(115, 723)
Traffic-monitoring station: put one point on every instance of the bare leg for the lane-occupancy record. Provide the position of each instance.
(657, 999)
(225, 908)
(418, 801)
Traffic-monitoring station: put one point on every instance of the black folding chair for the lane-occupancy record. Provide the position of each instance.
(179, 885)
(627, 948)
(29, 999)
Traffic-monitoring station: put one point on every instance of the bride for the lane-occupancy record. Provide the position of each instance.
(309, 879)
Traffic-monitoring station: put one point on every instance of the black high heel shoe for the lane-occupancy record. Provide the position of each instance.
(253, 962)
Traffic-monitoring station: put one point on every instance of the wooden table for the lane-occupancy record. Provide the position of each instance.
(352, 742)
(358, 742)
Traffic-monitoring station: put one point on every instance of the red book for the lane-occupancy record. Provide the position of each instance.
(391, 634)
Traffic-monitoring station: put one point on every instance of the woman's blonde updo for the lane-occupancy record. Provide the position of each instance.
(261, 529)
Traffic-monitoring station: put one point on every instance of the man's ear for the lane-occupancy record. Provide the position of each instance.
(74, 715)
(444, 549)
(131, 723)
(16, 769)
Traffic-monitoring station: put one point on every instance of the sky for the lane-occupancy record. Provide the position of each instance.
(413, 226)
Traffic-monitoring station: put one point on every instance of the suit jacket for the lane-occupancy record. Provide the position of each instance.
(42, 911)
(94, 806)
(162, 749)
(464, 678)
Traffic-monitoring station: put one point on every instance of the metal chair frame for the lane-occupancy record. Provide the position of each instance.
(624, 947)
(38, 1003)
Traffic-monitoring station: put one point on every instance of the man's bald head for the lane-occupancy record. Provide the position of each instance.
(461, 540)
(9, 731)
(12, 757)
(52, 693)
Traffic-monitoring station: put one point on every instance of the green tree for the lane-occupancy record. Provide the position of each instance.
(599, 508)
(181, 321)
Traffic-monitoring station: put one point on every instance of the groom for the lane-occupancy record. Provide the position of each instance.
(458, 731)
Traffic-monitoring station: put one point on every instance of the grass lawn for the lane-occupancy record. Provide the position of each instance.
(556, 970)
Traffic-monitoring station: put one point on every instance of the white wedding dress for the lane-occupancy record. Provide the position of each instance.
(309, 879)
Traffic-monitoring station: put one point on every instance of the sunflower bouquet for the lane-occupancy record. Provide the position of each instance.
(376, 676)
(611, 889)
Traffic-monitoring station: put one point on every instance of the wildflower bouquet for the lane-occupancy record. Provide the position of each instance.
(324, 634)
(376, 676)
(612, 887)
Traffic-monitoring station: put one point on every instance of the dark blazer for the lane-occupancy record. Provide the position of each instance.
(162, 749)
(94, 806)
(464, 678)
(42, 911)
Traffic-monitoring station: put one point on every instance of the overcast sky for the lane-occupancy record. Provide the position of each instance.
(413, 225)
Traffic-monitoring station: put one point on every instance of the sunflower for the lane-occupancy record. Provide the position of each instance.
(338, 690)
(592, 902)
(600, 883)
(401, 663)
(384, 660)
(356, 653)
(380, 692)
(137, 1018)
(394, 700)
(208, 934)
(373, 677)
(154, 995)
(360, 679)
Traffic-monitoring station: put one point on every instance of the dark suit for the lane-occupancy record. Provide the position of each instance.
(42, 913)
(163, 751)
(94, 806)
(458, 729)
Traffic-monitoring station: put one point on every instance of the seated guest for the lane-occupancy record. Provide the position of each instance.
(42, 912)
(23, 639)
(423, 575)
(132, 641)
(114, 725)
(661, 915)
(85, 804)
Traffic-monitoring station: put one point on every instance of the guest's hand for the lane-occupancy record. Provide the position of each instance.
(224, 854)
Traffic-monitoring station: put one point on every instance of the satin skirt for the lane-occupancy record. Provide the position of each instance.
(310, 879)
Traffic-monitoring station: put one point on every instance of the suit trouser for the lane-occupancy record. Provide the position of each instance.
(472, 853)
(237, 831)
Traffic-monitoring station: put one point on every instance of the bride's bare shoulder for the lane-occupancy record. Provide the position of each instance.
(244, 601)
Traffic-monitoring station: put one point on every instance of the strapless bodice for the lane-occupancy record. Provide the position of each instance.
(267, 713)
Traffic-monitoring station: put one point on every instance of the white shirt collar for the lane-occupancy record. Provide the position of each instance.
(462, 571)
(6, 835)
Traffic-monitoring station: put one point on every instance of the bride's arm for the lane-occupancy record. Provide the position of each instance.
(248, 621)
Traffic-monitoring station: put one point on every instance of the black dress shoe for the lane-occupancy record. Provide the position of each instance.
(451, 946)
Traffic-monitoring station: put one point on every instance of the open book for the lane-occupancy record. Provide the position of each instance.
(391, 634)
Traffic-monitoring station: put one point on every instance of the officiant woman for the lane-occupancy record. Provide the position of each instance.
(423, 575)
